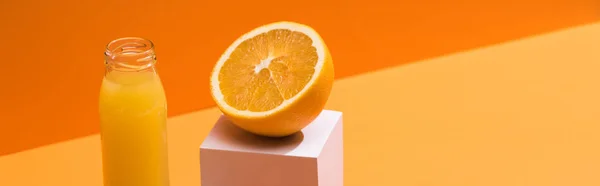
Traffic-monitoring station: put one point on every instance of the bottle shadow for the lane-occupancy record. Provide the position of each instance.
(235, 137)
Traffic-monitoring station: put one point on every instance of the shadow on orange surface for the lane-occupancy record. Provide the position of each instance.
(52, 50)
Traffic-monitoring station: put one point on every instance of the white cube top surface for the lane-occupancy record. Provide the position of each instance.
(307, 143)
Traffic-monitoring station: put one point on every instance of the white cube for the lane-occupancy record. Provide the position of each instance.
(230, 156)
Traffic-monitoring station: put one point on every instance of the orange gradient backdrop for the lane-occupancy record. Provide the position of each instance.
(53, 64)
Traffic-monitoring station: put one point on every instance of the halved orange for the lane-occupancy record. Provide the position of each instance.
(274, 80)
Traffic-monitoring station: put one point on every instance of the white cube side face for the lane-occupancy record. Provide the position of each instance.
(221, 168)
(313, 157)
(331, 160)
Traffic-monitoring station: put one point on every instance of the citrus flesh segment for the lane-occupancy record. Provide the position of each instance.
(274, 80)
(267, 69)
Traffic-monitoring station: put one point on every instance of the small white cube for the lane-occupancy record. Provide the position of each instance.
(230, 156)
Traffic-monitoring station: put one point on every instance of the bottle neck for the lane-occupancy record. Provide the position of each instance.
(130, 54)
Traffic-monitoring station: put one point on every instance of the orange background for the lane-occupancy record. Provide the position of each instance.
(453, 93)
(52, 50)
(521, 113)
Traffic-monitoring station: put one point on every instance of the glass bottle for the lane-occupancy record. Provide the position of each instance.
(133, 116)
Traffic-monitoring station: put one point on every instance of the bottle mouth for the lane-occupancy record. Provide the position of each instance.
(130, 54)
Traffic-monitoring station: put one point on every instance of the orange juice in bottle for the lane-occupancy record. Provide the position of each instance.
(133, 116)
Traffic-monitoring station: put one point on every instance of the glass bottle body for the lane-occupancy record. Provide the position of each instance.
(133, 116)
